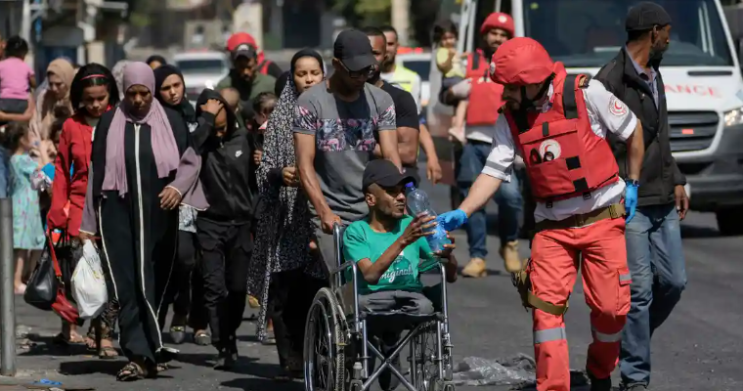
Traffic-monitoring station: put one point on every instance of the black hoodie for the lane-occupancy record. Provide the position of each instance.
(225, 167)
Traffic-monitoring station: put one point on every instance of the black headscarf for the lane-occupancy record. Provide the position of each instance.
(156, 57)
(306, 53)
(185, 108)
(281, 83)
(284, 78)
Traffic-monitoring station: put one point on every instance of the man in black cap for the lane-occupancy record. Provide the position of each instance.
(245, 78)
(337, 125)
(659, 275)
(391, 250)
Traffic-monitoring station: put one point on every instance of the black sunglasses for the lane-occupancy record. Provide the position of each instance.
(366, 72)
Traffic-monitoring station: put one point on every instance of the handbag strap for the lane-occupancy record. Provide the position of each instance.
(53, 254)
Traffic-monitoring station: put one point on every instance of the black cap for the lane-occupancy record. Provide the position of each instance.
(353, 49)
(645, 15)
(244, 50)
(385, 174)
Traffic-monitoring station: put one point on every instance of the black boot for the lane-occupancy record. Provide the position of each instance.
(226, 359)
(600, 384)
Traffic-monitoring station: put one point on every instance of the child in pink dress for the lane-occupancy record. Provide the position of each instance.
(16, 77)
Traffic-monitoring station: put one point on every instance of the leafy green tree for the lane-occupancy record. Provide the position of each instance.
(364, 12)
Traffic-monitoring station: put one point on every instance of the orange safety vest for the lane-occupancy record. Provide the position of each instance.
(564, 158)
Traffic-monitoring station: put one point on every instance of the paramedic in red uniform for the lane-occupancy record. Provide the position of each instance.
(264, 66)
(558, 124)
(479, 119)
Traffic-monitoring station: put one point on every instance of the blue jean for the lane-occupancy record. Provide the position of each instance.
(656, 260)
(508, 198)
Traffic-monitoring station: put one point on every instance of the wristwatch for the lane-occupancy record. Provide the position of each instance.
(633, 182)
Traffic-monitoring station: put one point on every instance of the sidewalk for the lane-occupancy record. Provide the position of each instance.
(76, 368)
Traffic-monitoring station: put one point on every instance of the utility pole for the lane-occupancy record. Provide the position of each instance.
(401, 20)
(7, 297)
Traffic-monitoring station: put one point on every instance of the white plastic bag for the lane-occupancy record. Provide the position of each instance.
(89, 283)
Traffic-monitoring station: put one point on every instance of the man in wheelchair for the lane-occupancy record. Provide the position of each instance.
(390, 250)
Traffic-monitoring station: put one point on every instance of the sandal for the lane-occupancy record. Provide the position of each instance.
(202, 338)
(91, 344)
(108, 353)
(131, 372)
(63, 340)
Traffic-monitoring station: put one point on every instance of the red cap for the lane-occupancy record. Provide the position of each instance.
(521, 61)
(238, 39)
(498, 20)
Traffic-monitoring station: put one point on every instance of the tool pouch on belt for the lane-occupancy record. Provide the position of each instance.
(528, 299)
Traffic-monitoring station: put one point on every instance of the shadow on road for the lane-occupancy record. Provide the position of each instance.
(207, 360)
(46, 346)
(695, 232)
(77, 368)
(263, 384)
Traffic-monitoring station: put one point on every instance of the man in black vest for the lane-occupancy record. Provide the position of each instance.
(662, 202)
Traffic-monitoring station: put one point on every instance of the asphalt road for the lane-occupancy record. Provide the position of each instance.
(699, 348)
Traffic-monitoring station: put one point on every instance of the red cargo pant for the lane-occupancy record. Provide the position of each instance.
(606, 284)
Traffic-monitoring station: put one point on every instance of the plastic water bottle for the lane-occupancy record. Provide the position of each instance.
(418, 203)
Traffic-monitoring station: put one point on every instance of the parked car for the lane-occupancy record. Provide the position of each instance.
(201, 70)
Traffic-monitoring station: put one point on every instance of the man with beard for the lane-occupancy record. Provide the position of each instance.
(264, 66)
(337, 125)
(391, 251)
(550, 115)
(658, 276)
(247, 80)
(477, 115)
(406, 113)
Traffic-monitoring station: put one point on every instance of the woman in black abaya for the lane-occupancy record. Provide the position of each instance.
(142, 169)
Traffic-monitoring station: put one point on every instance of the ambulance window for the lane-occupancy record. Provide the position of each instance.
(588, 33)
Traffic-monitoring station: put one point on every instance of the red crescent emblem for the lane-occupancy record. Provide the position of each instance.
(616, 107)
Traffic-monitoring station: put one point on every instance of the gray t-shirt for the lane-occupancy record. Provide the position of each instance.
(345, 137)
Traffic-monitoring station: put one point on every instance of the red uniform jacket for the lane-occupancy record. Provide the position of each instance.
(75, 145)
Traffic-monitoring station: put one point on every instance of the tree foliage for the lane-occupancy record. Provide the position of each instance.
(364, 12)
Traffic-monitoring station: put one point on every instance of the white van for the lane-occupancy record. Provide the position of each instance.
(701, 71)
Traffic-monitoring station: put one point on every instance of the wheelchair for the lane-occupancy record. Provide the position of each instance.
(338, 351)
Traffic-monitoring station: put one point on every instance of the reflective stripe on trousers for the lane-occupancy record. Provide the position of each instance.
(547, 335)
(606, 280)
(606, 338)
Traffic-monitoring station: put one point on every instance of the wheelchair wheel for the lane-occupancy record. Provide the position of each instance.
(325, 339)
(427, 375)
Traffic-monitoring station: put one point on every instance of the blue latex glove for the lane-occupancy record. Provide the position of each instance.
(453, 220)
(630, 200)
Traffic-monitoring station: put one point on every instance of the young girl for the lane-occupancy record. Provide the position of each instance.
(16, 77)
(263, 107)
(448, 60)
(92, 93)
(28, 232)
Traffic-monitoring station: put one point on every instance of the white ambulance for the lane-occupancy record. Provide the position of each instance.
(701, 71)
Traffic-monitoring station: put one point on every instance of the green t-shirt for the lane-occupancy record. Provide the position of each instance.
(361, 242)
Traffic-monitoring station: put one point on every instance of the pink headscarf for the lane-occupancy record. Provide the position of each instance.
(164, 147)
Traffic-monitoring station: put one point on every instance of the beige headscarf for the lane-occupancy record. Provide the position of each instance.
(43, 119)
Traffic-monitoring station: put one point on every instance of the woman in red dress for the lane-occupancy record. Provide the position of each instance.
(92, 93)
